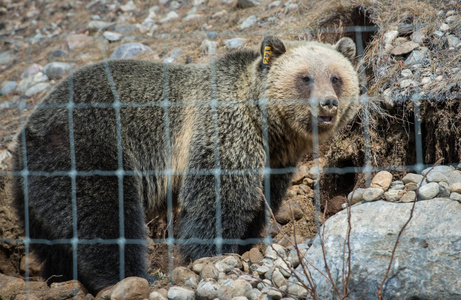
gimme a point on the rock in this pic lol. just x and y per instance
(228, 263)
(234, 43)
(444, 27)
(287, 212)
(248, 3)
(8, 88)
(278, 279)
(57, 70)
(72, 289)
(429, 191)
(452, 40)
(441, 169)
(436, 177)
(168, 60)
(176, 52)
(275, 251)
(236, 289)
(456, 187)
(427, 245)
(249, 22)
(426, 80)
(191, 17)
(130, 288)
(32, 70)
(416, 56)
(274, 4)
(291, 6)
(444, 190)
(6, 57)
(130, 6)
(126, 29)
(33, 264)
(262, 270)
(392, 195)
(112, 36)
(294, 256)
(411, 177)
(382, 180)
(76, 41)
(30, 81)
(182, 274)
(254, 294)
(180, 293)
(169, 17)
(455, 196)
(207, 289)
(406, 73)
(255, 255)
(356, 196)
(57, 54)
(390, 36)
(297, 290)
(129, 50)
(404, 48)
(409, 196)
(94, 26)
(211, 35)
(373, 194)
(37, 89)
(157, 296)
(198, 265)
(10, 286)
(209, 271)
(209, 47)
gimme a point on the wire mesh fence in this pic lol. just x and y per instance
(163, 108)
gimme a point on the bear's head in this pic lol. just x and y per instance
(311, 83)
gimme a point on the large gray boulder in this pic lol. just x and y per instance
(427, 263)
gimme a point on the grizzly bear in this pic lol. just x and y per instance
(113, 141)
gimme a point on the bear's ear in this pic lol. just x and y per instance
(346, 47)
(271, 48)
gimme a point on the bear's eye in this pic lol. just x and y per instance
(335, 80)
(306, 79)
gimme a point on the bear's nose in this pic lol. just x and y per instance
(329, 103)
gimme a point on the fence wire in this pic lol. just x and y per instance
(367, 169)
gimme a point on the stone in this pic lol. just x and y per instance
(168, 60)
(209, 271)
(297, 290)
(262, 270)
(373, 194)
(57, 54)
(274, 294)
(6, 57)
(33, 264)
(254, 294)
(248, 3)
(180, 293)
(234, 43)
(275, 251)
(182, 274)
(455, 196)
(192, 17)
(57, 70)
(289, 211)
(429, 191)
(382, 180)
(209, 47)
(426, 80)
(130, 288)
(129, 50)
(444, 190)
(8, 88)
(441, 169)
(407, 83)
(10, 286)
(248, 22)
(291, 6)
(33, 69)
(236, 289)
(436, 177)
(157, 296)
(255, 255)
(407, 197)
(112, 36)
(356, 196)
(283, 265)
(452, 40)
(278, 279)
(406, 73)
(404, 48)
(77, 41)
(390, 36)
(198, 265)
(295, 254)
(392, 195)
(130, 6)
(430, 243)
(126, 29)
(72, 289)
(207, 289)
(95, 26)
(169, 17)
(456, 187)
(37, 89)
(411, 177)
(274, 4)
(444, 27)
(227, 264)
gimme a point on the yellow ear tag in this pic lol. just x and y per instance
(267, 55)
